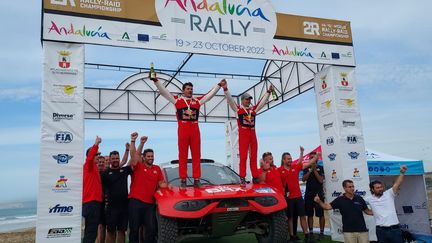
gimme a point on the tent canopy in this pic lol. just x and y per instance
(382, 164)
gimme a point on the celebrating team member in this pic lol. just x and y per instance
(92, 193)
(187, 114)
(269, 174)
(245, 114)
(314, 178)
(383, 207)
(351, 207)
(146, 179)
(290, 173)
(115, 182)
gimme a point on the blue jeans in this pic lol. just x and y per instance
(389, 235)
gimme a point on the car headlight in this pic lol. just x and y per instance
(190, 205)
(266, 201)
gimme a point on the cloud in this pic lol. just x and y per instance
(20, 94)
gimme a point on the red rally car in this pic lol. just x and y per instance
(221, 207)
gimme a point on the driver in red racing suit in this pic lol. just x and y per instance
(246, 114)
(188, 130)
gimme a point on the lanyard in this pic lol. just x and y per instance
(249, 114)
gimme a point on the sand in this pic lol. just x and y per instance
(19, 236)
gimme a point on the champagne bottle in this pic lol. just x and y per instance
(152, 71)
(274, 95)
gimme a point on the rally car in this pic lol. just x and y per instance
(221, 207)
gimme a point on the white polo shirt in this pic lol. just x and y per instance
(383, 208)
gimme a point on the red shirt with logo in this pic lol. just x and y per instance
(187, 108)
(145, 181)
(273, 178)
(92, 185)
(290, 178)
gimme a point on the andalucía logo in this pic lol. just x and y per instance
(59, 232)
(221, 21)
(64, 57)
(79, 32)
(285, 51)
(61, 185)
(62, 158)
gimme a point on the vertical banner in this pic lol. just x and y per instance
(232, 148)
(62, 144)
(342, 143)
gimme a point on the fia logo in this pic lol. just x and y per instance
(330, 141)
(63, 137)
(332, 156)
(351, 139)
(63, 2)
(353, 155)
(62, 158)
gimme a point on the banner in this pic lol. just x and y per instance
(240, 28)
(342, 143)
(62, 144)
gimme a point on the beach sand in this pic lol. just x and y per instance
(19, 236)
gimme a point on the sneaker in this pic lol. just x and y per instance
(183, 184)
(197, 183)
(320, 237)
(242, 181)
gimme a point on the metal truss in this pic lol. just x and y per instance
(136, 98)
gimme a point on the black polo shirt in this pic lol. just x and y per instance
(115, 186)
(313, 186)
(352, 213)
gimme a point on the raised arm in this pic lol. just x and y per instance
(143, 140)
(400, 178)
(164, 91)
(203, 99)
(263, 100)
(325, 206)
(92, 153)
(229, 98)
(133, 152)
(125, 155)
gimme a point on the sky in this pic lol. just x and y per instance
(394, 77)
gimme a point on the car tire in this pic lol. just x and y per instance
(167, 229)
(278, 229)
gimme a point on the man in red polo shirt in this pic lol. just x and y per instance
(92, 193)
(187, 112)
(146, 179)
(269, 174)
(290, 180)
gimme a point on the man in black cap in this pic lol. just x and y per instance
(245, 114)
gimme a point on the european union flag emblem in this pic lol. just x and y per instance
(143, 37)
(335, 55)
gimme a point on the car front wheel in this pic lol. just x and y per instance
(277, 231)
(167, 229)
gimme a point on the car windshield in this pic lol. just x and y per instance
(210, 174)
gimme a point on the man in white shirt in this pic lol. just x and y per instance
(384, 212)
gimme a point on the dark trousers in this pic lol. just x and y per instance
(141, 213)
(91, 211)
(389, 235)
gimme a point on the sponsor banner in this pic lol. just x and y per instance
(62, 144)
(257, 12)
(342, 140)
(207, 32)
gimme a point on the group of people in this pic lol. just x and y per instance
(105, 192)
(107, 200)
